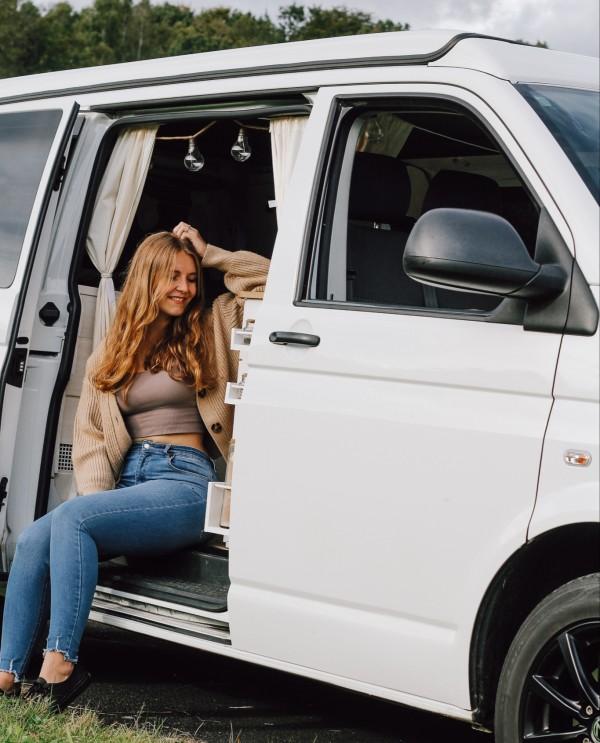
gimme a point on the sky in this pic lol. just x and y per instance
(566, 25)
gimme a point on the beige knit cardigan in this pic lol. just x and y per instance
(100, 438)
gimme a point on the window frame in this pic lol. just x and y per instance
(509, 310)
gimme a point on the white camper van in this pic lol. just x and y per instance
(412, 506)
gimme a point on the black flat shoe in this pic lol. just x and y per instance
(15, 691)
(60, 695)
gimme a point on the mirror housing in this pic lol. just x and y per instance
(479, 252)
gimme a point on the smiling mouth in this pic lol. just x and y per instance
(178, 300)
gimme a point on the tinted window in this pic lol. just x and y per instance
(25, 141)
(390, 166)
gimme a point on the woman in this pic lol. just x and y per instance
(151, 392)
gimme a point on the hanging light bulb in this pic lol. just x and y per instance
(194, 160)
(241, 149)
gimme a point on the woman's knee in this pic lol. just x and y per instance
(34, 541)
(72, 514)
(69, 513)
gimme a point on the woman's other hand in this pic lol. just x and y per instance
(185, 231)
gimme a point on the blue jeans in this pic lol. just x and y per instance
(157, 507)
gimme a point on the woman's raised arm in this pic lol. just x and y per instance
(244, 272)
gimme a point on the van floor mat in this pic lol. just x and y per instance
(209, 595)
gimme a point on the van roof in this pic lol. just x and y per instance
(500, 57)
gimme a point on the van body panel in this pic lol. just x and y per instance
(404, 464)
(523, 63)
(578, 373)
(568, 494)
(571, 494)
(328, 678)
(17, 317)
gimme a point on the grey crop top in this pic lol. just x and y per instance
(157, 404)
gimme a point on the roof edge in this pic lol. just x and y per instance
(275, 69)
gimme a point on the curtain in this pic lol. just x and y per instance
(114, 210)
(286, 135)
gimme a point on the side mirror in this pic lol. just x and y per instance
(477, 252)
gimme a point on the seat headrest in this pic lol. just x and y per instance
(380, 189)
(457, 190)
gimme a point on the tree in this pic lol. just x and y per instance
(10, 62)
(19, 38)
(58, 45)
(299, 23)
(103, 32)
(223, 28)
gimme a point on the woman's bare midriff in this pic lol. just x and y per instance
(178, 439)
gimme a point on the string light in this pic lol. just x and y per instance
(194, 160)
(241, 150)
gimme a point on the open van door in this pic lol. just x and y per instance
(389, 450)
(33, 140)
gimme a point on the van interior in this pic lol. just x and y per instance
(408, 159)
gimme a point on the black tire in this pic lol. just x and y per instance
(550, 680)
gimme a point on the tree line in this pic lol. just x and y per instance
(57, 38)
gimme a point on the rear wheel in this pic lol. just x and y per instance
(549, 687)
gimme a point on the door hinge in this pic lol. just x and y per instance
(3, 491)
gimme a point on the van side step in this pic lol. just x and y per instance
(191, 578)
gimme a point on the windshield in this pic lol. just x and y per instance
(573, 117)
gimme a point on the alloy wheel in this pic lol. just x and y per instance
(561, 697)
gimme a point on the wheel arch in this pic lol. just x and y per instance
(535, 570)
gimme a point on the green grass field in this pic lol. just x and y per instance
(28, 722)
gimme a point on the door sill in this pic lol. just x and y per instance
(110, 603)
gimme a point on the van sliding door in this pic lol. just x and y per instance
(33, 139)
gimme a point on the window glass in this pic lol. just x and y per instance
(573, 117)
(25, 141)
(390, 166)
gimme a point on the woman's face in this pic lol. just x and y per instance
(180, 288)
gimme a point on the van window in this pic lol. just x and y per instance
(25, 141)
(228, 201)
(389, 166)
(572, 117)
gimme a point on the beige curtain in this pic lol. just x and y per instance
(114, 210)
(286, 135)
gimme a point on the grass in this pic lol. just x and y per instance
(32, 722)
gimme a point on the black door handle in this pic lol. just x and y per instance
(285, 337)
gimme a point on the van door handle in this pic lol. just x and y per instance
(285, 337)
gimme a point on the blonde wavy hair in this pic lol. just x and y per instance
(186, 350)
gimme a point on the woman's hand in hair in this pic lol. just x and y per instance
(185, 231)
